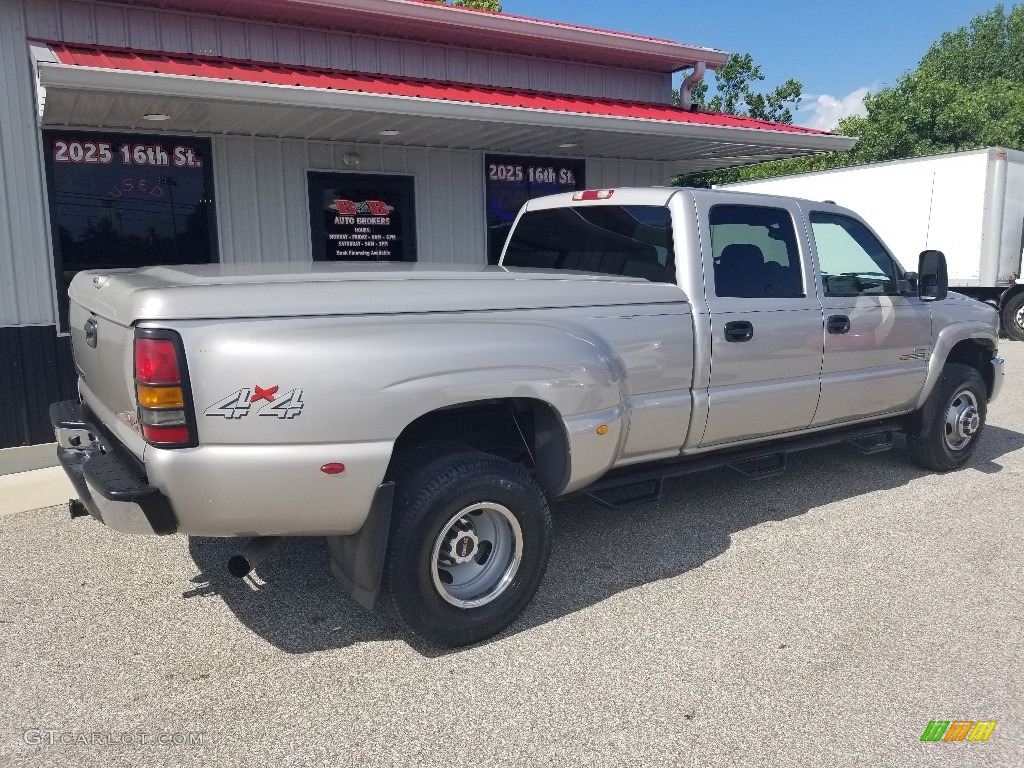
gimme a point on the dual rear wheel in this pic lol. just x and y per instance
(469, 545)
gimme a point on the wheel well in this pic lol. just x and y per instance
(1008, 294)
(977, 355)
(522, 430)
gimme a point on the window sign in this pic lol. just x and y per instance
(126, 200)
(362, 217)
(511, 181)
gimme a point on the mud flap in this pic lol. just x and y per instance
(357, 561)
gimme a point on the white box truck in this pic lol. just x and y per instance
(969, 205)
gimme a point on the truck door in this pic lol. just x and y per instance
(877, 341)
(766, 345)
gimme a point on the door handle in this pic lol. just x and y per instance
(739, 330)
(838, 324)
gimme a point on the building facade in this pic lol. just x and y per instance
(179, 131)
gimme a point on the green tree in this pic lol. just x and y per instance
(484, 5)
(736, 93)
(967, 92)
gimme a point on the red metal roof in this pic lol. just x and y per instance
(426, 21)
(553, 24)
(185, 65)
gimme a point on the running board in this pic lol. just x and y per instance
(757, 463)
(869, 444)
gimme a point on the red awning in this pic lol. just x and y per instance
(215, 68)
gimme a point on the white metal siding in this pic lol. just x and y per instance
(263, 199)
(118, 25)
(606, 174)
(26, 264)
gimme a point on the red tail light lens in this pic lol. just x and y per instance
(165, 435)
(156, 361)
(162, 392)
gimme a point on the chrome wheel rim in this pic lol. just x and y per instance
(963, 420)
(476, 555)
(1018, 318)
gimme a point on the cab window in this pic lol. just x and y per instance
(630, 240)
(852, 260)
(755, 253)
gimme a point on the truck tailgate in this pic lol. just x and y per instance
(104, 358)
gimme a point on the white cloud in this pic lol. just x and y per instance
(827, 110)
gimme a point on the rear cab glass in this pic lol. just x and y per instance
(627, 240)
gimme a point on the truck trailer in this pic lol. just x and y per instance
(969, 205)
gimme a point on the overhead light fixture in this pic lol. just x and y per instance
(568, 145)
(156, 116)
(351, 159)
(389, 132)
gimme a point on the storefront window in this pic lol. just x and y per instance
(362, 217)
(511, 181)
(124, 200)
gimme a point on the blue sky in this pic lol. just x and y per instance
(836, 49)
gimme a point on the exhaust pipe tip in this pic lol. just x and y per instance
(239, 566)
(251, 555)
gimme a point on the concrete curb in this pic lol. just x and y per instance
(24, 491)
(27, 458)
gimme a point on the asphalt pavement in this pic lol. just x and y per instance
(820, 618)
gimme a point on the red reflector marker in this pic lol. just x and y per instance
(332, 469)
(159, 435)
(156, 361)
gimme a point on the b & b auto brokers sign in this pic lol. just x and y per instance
(362, 231)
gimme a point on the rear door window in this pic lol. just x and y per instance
(629, 240)
(755, 253)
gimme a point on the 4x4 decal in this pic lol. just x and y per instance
(242, 402)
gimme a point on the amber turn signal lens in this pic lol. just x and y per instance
(603, 429)
(161, 397)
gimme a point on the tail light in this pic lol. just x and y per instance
(162, 391)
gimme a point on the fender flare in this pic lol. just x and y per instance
(948, 338)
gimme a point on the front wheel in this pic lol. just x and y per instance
(469, 546)
(1013, 317)
(951, 420)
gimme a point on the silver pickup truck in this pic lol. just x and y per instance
(420, 416)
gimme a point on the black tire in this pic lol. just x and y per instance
(951, 421)
(1013, 317)
(505, 536)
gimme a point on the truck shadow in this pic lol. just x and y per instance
(294, 603)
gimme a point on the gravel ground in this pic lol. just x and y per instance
(823, 617)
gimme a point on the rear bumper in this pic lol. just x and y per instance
(110, 482)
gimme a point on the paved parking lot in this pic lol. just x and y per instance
(823, 617)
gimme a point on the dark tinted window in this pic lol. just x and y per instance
(123, 200)
(512, 181)
(852, 261)
(630, 240)
(755, 253)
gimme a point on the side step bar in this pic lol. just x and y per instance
(757, 463)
